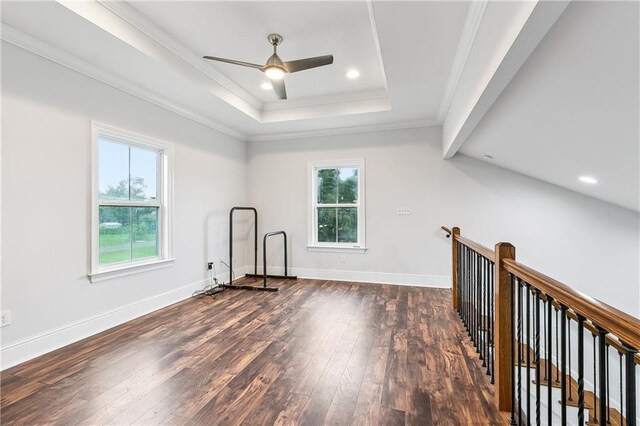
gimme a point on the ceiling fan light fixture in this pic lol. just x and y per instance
(266, 85)
(274, 73)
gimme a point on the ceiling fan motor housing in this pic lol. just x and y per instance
(274, 39)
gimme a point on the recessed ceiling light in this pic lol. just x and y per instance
(353, 74)
(588, 179)
(488, 157)
(266, 85)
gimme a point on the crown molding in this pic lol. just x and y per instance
(326, 100)
(427, 122)
(164, 39)
(328, 106)
(231, 92)
(136, 30)
(376, 42)
(24, 41)
(467, 39)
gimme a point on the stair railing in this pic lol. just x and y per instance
(521, 323)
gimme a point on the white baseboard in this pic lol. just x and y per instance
(414, 280)
(50, 340)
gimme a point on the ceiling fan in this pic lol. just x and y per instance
(275, 69)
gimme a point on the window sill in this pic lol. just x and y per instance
(337, 249)
(127, 270)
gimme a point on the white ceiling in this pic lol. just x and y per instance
(238, 31)
(403, 50)
(573, 108)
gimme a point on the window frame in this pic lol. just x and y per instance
(163, 201)
(312, 232)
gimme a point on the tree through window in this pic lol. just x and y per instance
(130, 200)
(336, 204)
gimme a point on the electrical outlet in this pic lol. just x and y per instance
(5, 318)
(343, 258)
(403, 210)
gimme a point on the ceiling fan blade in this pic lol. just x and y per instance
(307, 63)
(231, 61)
(278, 87)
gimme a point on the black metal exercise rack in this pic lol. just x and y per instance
(255, 274)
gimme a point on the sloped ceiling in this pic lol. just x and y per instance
(573, 108)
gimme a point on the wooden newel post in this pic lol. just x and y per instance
(455, 232)
(503, 327)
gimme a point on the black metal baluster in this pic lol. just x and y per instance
(466, 289)
(461, 282)
(548, 351)
(478, 305)
(469, 291)
(537, 353)
(595, 380)
(580, 370)
(602, 379)
(491, 320)
(528, 349)
(570, 398)
(485, 265)
(474, 313)
(487, 318)
(630, 380)
(457, 243)
(544, 333)
(481, 309)
(484, 313)
(466, 285)
(557, 348)
(513, 358)
(608, 395)
(563, 365)
(519, 351)
(621, 400)
(475, 300)
(471, 296)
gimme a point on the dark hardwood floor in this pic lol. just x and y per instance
(316, 352)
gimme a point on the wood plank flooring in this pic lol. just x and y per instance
(315, 352)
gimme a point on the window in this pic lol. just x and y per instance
(130, 203)
(336, 216)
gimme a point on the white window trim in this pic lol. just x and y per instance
(99, 272)
(312, 243)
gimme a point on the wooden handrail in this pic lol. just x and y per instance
(482, 250)
(622, 325)
(612, 341)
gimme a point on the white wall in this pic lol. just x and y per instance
(588, 244)
(47, 110)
